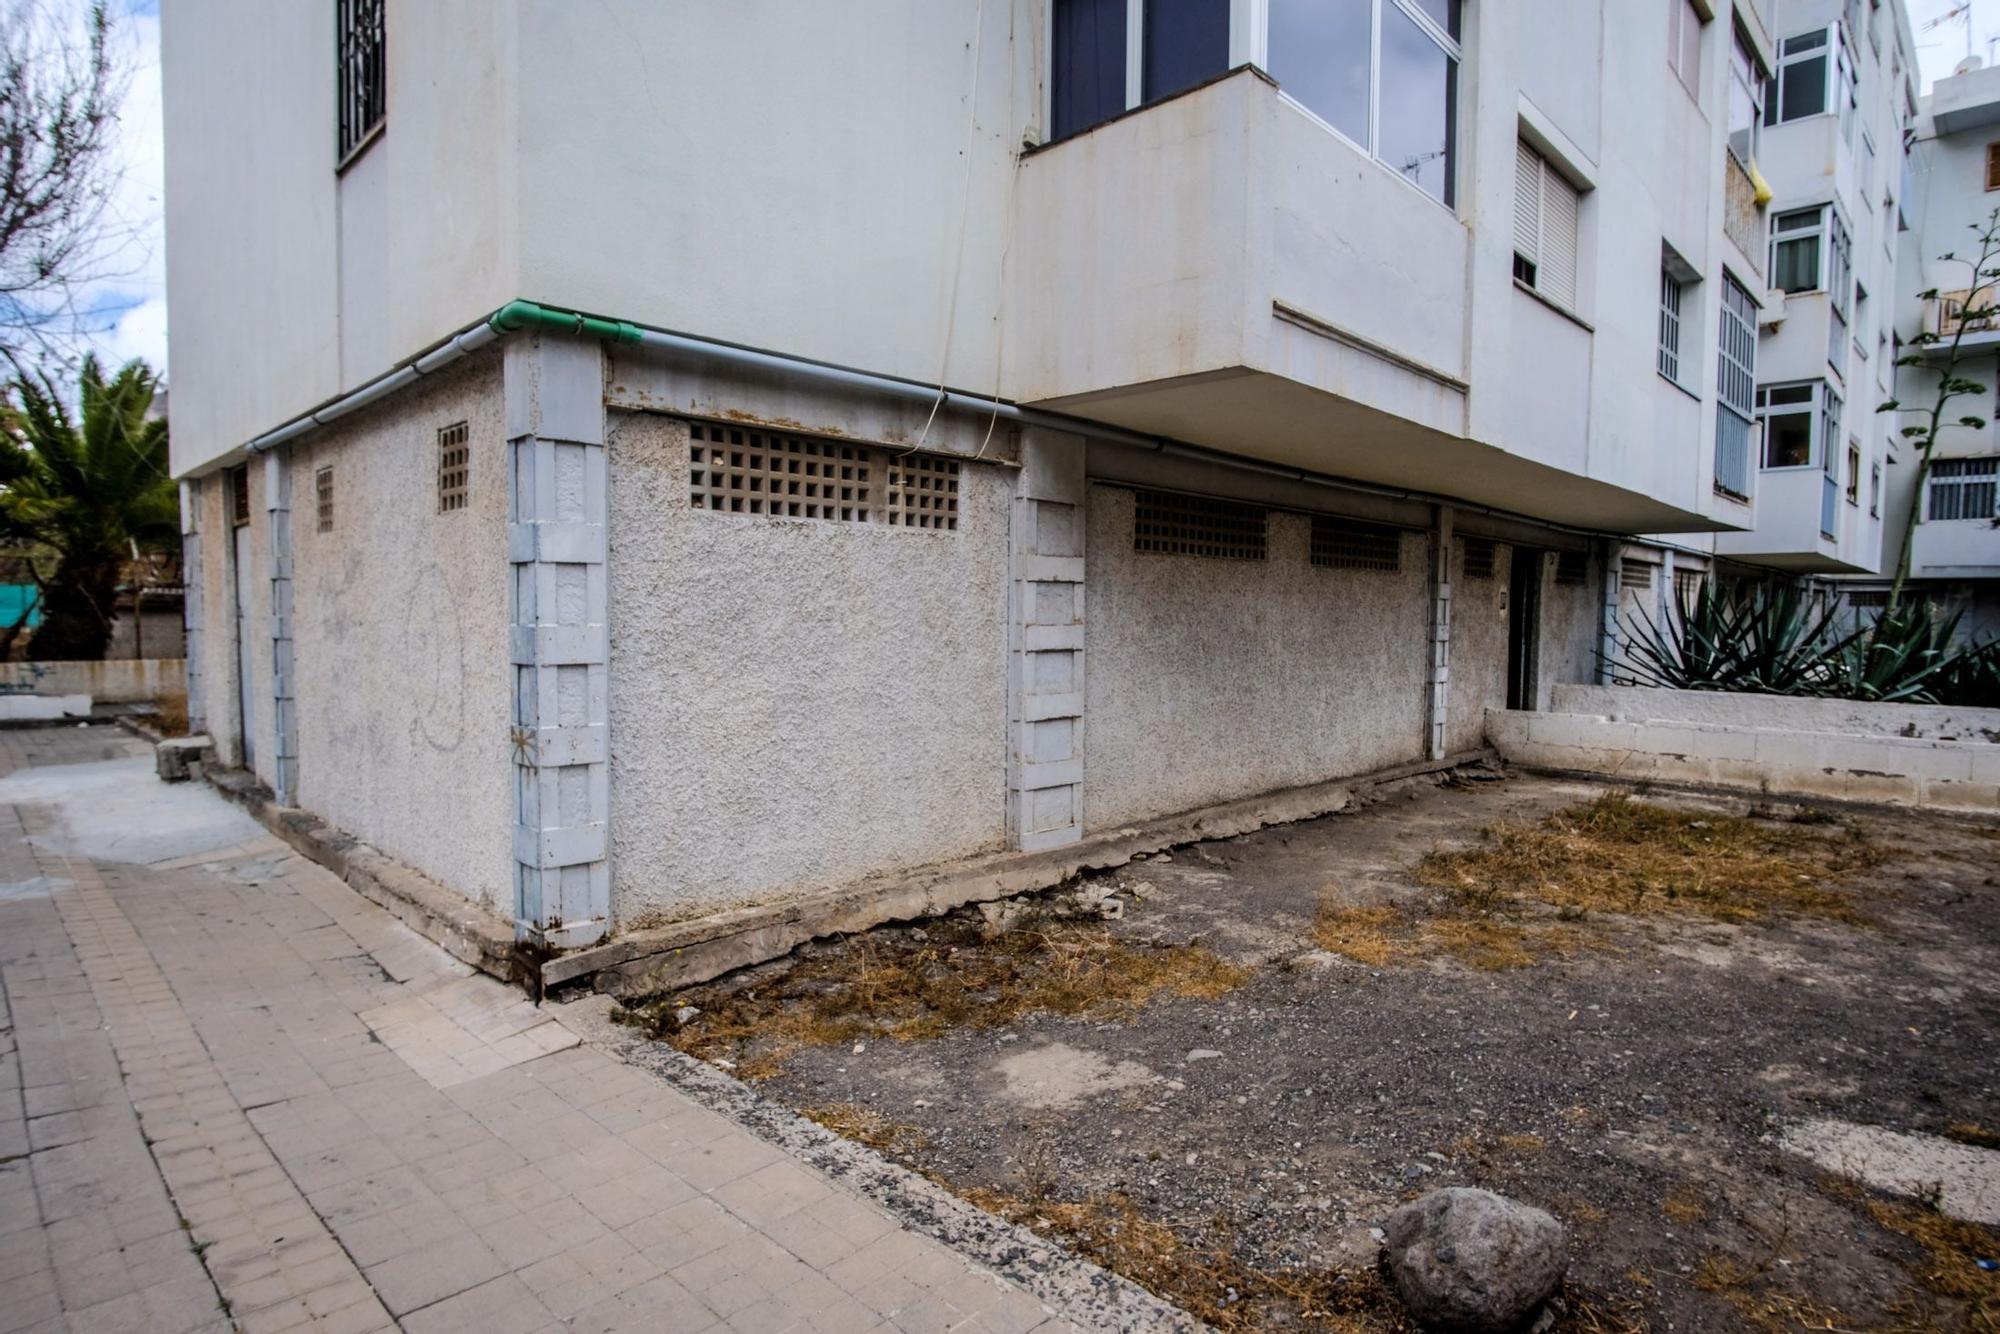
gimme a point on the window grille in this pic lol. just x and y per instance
(1670, 326)
(1478, 558)
(1635, 574)
(1962, 489)
(1572, 568)
(323, 498)
(1178, 525)
(363, 73)
(1687, 586)
(1868, 597)
(454, 467)
(1736, 353)
(739, 470)
(239, 494)
(1343, 544)
(923, 491)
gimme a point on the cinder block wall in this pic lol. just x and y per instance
(400, 634)
(1213, 679)
(795, 702)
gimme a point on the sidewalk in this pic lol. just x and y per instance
(235, 1095)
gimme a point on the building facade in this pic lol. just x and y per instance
(842, 443)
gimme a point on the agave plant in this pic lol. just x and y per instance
(1760, 640)
(1899, 657)
(1971, 677)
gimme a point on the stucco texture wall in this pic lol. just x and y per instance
(218, 611)
(1478, 648)
(1569, 630)
(400, 633)
(795, 703)
(1208, 680)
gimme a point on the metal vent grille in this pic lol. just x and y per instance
(1178, 525)
(923, 492)
(1478, 558)
(1868, 597)
(1573, 568)
(1343, 544)
(239, 495)
(454, 467)
(743, 471)
(323, 499)
(1637, 574)
(1687, 585)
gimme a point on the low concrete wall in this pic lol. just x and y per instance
(119, 681)
(1902, 771)
(1731, 709)
(42, 708)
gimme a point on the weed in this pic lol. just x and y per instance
(866, 1126)
(1951, 1290)
(1967, 1132)
(1684, 1205)
(907, 988)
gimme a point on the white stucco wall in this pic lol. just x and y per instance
(795, 703)
(217, 667)
(400, 635)
(1570, 630)
(1479, 617)
(1208, 680)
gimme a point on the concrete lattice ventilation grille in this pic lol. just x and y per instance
(740, 471)
(323, 498)
(1872, 597)
(1178, 525)
(1635, 574)
(1573, 568)
(1344, 544)
(454, 466)
(923, 492)
(1687, 584)
(1478, 558)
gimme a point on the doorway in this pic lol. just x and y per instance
(1524, 628)
(242, 568)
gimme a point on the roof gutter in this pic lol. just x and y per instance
(531, 315)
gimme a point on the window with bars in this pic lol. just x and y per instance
(1345, 544)
(1572, 568)
(923, 492)
(1546, 209)
(1962, 489)
(1177, 525)
(364, 75)
(1670, 326)
(323, 499)
(454, 467)
(738, 470)
(1736, 389)
(1478, 557)
(239, 494)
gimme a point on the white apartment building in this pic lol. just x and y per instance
(650, 457)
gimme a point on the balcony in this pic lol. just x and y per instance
(1222, 268)
(1946, 317)
(1804, 525)
(1955, 549)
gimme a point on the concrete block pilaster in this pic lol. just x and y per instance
(1438, 677)
(191, 605)
(559, 639)
(284, 711)
(1045, 659)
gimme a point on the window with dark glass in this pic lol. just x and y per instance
(1746, 98)
(1182, 43)
(1799, 86)
(1736, 378)
(1087, 74)
(1796, 242)
(363, 75)
(1788, 414)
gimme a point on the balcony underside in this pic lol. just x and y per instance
(1797, 562)
(1277, 420)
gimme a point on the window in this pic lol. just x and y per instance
(1345, 544)
(1993, 166)
(1839, 284)
(1181, 43)
(323, 499)
(1796, 246)
(1736, 380)
(1684, 44)
(1853, 474)
(1787, 414)
(1962, 489)
(454, 467)
(1478, 557)
(1799, 87)
(1545, 227)
(1401, 102)
(1875, 491)
(1746, 98)
(1178, 525)
(239, 494)
(1670, 326)
(363, 75)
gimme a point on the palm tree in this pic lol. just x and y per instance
(89, 492)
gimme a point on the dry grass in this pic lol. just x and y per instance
(1950, 1291)
(1967, 1132)
(1379, 936)
(902, 988)
(1684, 1205)
(170, 715)
(1618, 855)
(864, 1125)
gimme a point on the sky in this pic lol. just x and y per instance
(131, 310)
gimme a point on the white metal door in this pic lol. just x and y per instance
(246, 646)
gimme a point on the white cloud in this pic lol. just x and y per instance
(134, 302)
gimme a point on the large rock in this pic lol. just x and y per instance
(1469, 1260)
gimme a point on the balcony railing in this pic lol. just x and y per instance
(1948, 312)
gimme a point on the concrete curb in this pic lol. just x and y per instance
(466, 932)
(1073, 1288)
(698, 949)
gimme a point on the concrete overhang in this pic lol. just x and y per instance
(1966, 101)
(1279, 420)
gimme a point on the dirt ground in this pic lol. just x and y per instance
(1204, 1095)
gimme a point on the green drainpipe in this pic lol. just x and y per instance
(531, 315)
